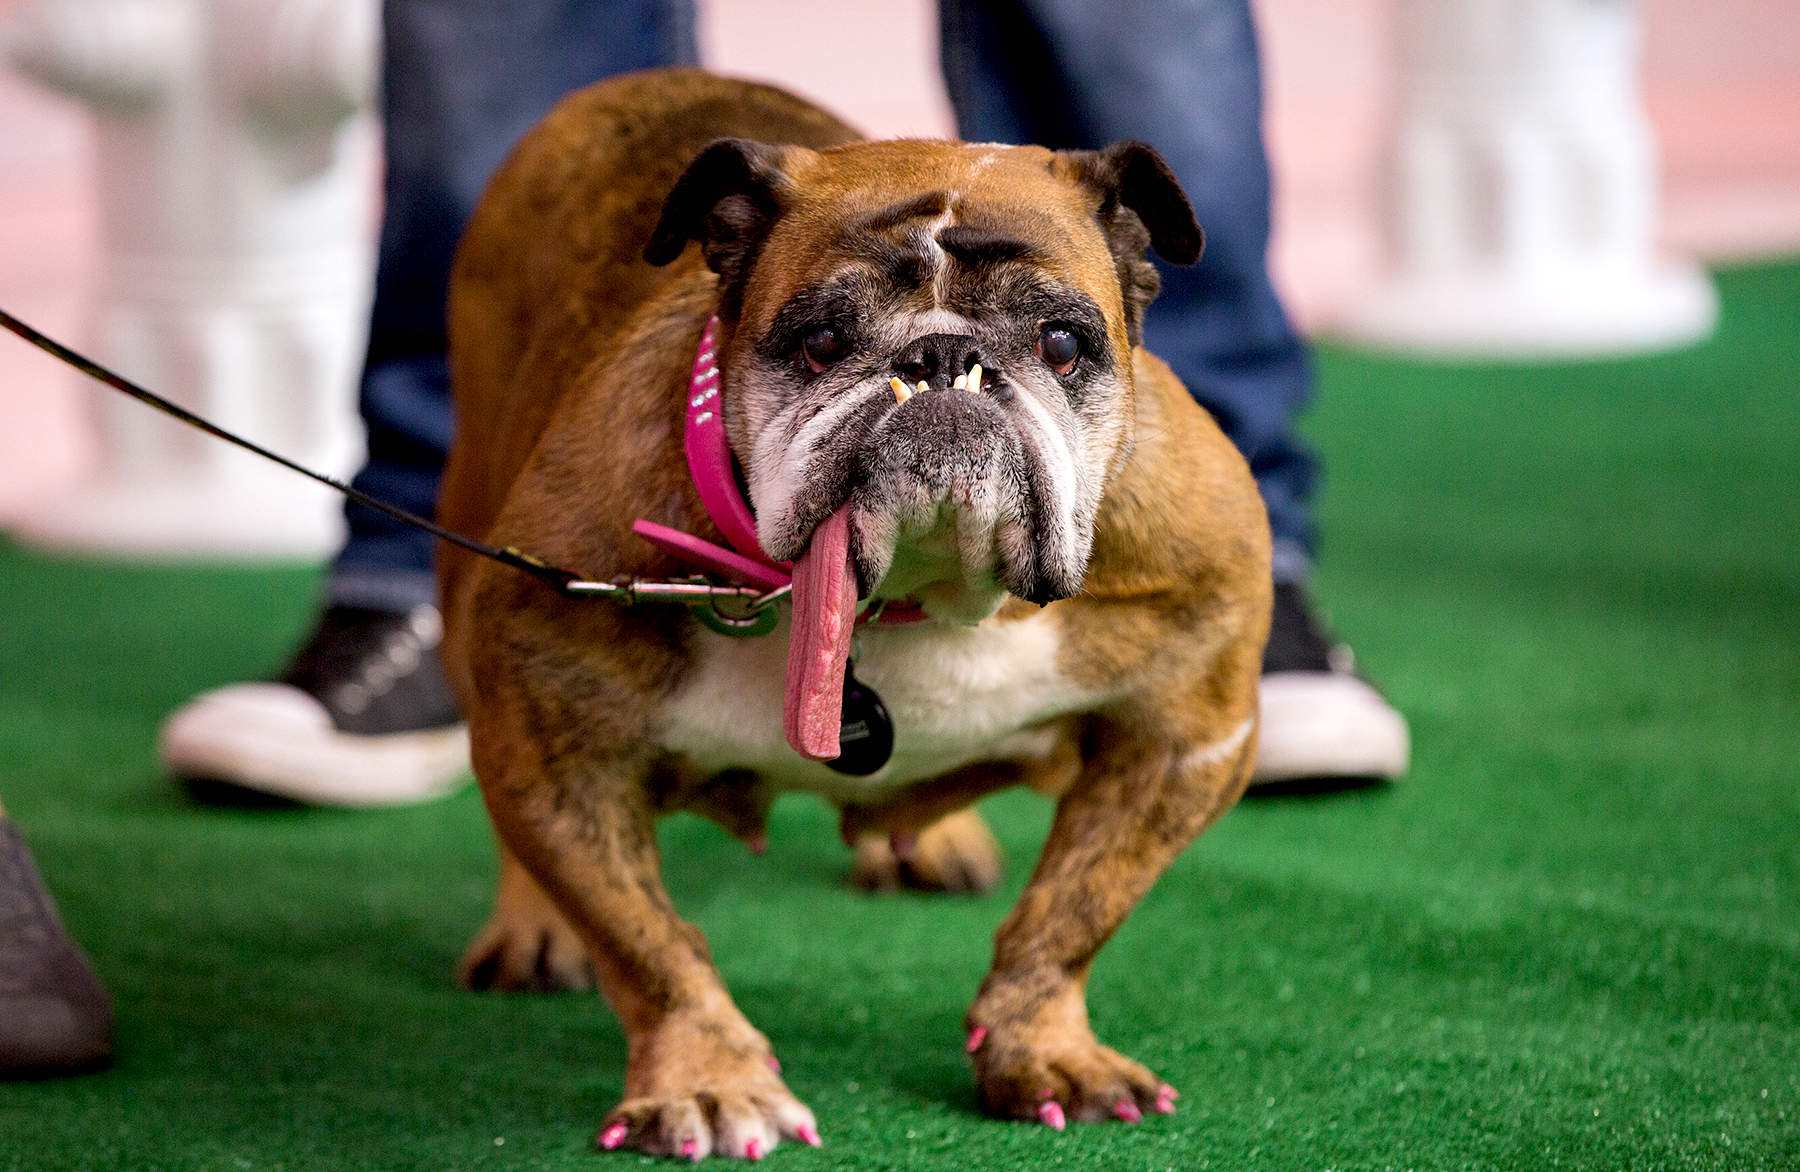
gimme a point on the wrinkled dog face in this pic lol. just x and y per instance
(958, 495)
(1001, 287)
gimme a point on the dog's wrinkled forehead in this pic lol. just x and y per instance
(941, 230)
(772, 219)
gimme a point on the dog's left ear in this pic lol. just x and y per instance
(727, 199)
(1141, 205)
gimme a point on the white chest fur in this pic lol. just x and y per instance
(956, 695)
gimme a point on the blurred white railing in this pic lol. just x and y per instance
(237, 157)
(1521, 189)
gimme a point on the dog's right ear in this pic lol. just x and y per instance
(727, 199)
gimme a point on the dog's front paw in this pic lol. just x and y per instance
(1048, 1066)
(526, 945)
(695, 1090)
(956, 853)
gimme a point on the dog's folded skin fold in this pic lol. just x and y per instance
(1089, 549)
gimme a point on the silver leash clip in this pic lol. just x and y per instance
(750, 612)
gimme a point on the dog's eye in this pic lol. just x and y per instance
(1060, 348)
(822, 348)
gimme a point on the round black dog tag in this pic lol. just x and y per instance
(865, 730)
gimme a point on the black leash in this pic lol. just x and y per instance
(692, 592)
(555, 576)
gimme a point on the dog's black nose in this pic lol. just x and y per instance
(937, 359)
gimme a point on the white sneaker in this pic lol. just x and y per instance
(1318, 719)
(362, 717)
(1328, 724)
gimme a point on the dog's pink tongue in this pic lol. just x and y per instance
(819, 643)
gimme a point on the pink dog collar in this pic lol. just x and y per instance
(709, 455)
(709, 463)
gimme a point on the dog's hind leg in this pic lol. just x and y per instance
(526, 945)
(929, 837)
(956, 853)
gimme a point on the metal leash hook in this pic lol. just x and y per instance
(759, 616)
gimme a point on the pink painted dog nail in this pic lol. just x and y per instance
(810, 1135)
(977, 1036)
(613, 1136)
(1165, 1101)
(690, 1147)
(753, 1149)
(774, 1064)
(1128, 1111)
(1052, 1115)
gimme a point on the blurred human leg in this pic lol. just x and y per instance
(362, 716)
(463, 80)
(1184, 76)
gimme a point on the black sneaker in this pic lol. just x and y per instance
(1319, 719)
(362, 717)
(55, 1016)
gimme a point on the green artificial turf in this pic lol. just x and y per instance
(1568, 940)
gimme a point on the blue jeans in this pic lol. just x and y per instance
(464, 78)
(462, 81)
(1183, 76)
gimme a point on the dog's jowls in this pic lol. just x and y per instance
(1090, 551)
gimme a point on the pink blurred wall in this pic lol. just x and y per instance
(48, 242)
(1722, 81)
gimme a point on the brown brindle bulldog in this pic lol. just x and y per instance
(1089, 552)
